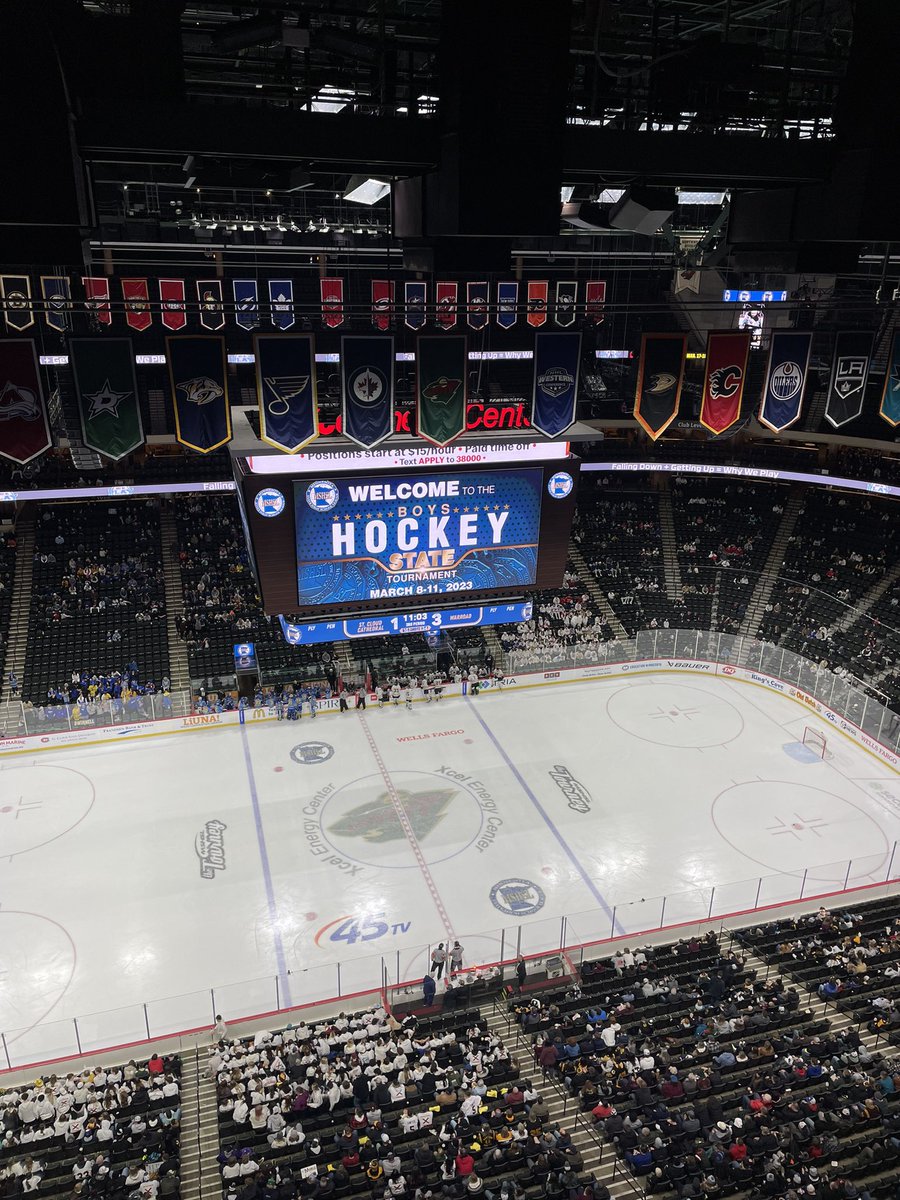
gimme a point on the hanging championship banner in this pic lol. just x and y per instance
(442, 367)
(785, 380)
(246, 303)
(566, 300)
(723, 384)
(57, 299)
(849, 373)
(367, 388)
(281, 299)
(15, 292)
(660, 377)
(172, 303)
(198, 376)
(96, 292)
(212, 308)
(556, 361)
(507, 303)
(537, 302)
(445, 296)
(332, 293)
(382, 303)
(136, 295)
(890, 393)
(105, 384)
(415, 295)
(477, 304)
(24, 429)
(594, 300)
(286, 389)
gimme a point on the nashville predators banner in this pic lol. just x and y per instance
(786, 374)
(445, 295)
(507, 304)
(415, 295)
(15, 293)
(103, 369)
(57, 301)
(212, 309)
(24, 430)
(723, 385)
(442, 367)
(382, 303)
(890, 393)
(556, 361)
(660, 377)
(367, 388)
(331, 292)
(246, 303)
(286, 388)
(96, 293)
(477, 304)
(198, 375)
(537, 302)
(281, 301)
(849, 373)
(136, 294)
(566, 300)
(172, 303)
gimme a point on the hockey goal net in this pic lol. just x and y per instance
(815, 742)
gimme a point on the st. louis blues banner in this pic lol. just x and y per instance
(286, 388)
(566, 300)
(537, 302)
(556, 360)
(136, 294)
(212, 309)
(890, 393)
(15, 293)
(723, 386)
(507, 304)
(785, 381)
(172, 303)
(594, 300)
(246, 303)
(849, 373)
(367, 388)
(57, 301)
(382, 303)
(96, 298)
(331, 291)
(477, 303)
(103, 369)
(441, 371)
(24, 431)
(445, 296)
(414, 298)
(198, 375)
(281, 300)
(660, 377)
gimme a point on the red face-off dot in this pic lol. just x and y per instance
(278, 768)
(468, 741)
(311, 916)
(546, 870)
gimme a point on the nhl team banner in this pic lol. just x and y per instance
(477, 303)
(24, 431)
(414, 298)
(18, 311)
(281, 301)
(105, 384)
(566, 300)
(382, 303)
(442, 366)
(96, 301)
(212, 308)
(367, 388)
(331, 293)
(246, 303)
(849, 373)
(889, 408)
(445, 296)
(594, 300)
(660, 378)
(136, 294)
(199, 382)
(537, 302)
(172, 303)
(556, 360)
(57, 299)
(723, 384)
(786, 374)
(286, 388)
(507, 304)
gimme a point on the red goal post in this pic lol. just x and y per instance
(815, 741)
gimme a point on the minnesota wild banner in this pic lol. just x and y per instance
(105, 384)
(556, 361)
(15, 293)
(849, 374)
(286, 388)
(786, 374)
(442, 368)
(57, 297)
(24, 431)
(199, 382)
(660, 377)
(367, 388)
(723, 386)
(890, 393)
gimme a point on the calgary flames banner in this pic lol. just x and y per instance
(441, 371)
(723, 385)
(24, 431)
(660, 376)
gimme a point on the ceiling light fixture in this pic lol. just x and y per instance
(367, 189)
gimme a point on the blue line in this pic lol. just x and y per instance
(280, 960)
(564, 845)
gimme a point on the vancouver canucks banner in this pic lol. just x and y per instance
(382, 303)
(723, 385)
(172, 303)
(136, 294)
(57, 296)
(414, 297)
(556, 360)
(786, 374)
(890, 393)
(477, 304)
(445, 294)
(660, 377)
(849, 373)
(537, 302)
(281, 300)
(441, 371)
(198, 375)
(246, 303)
(507, 303)
(331, 292)
(103, 369)
(96, 298)
(367, 388)
(24, 431)
(212, 308)
(15, 292)
(594, 300)
(286, 388)
(566, 300)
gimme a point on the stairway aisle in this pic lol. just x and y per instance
(179, 668)
(872, 596)
(200, 1175)
(671, 568)
(775, 561)
(594, 590)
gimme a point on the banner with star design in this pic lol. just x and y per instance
(442, 367)
(889, 408)
(106, 388)
(198, 375)
(24, 431)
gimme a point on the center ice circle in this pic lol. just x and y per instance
(674, 714)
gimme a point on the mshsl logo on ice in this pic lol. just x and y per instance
(269, 502)
(322, 495)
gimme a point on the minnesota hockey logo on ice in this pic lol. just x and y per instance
(378, 820)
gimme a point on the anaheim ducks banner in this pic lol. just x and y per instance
(889, 408)
(367, 388)
(331, 292)
(556, 361)
(723, 384)
(199, 382)
(286, 389)
(659, 381)
(18, 310)
(442, 367)
(849, 373)
(105, 384)
(24, 430)
(786, 373)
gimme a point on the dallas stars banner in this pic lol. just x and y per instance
(786, 374)
(441, 371)
(24, 431)
(507, 303)
(281, 299)
(556, 361)
(57, 294)
(136, 294)
(172, 303)
(659, 381)
(286, 388)
(105, 384)
(415, 295)
(246, 303)
(477, 304)
(890, 393)
(537, 302)
(212, 309)
(849, 373)
(723, 386)
(198, 375)
(15, 292)
(367, 388)
(96, 292)
(566, 299)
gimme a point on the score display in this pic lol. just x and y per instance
(309, 633)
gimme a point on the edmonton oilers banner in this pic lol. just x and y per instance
(105, 384)
(477, 303)
(507, 301)
(286, 387)
(415, 295)
(199, 383)
(367, 388)
(441, 370)
(889, 408)
(246, 303)
(660, 377)
(281, 301)
(556, 360)
(849, 373)
(786, 374)
(24, 431)
(723, 385)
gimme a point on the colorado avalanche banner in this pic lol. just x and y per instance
(57, 298)
(889, 408)
(286, 388)
(477, 304)
(723, 385)
(212, 308)
(556, 360)
(281, 300)
(382, 303)
(96, 298)
(24, 431)
(537, 302)
(442, 367)
(172, 303)
(566, 301)
(367, 388)
(507, 304)
(105, 384)
(786, 374)
(849, 373)
(246, 303)
(199, 381)
(15, 293)
(594, 300)
(659, 381)
(331, 292)
(136, 294)
(445, 296)
(414, 298)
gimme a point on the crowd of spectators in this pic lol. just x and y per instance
(562, 618)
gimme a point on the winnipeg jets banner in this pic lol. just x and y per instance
(507, 304)
(136, 294)
(15, 293)
(331, 293)
(659, 381)
(96, 298)
(849, 373)
(556, 360)
(889, 408)
(212, 308)
(57, 297)
(445, 294)
(414, 297)
(367, 388)
(370, 538)
(246, 303)
(595, 300)
(172, 303)
(382, 303)
(723, 385)
(786, 374)
(24, 431)
(198, 375)
(477, 303)
(286, 388)
(441, 370)
(566, 301)
(105, 384)
(537, 302)
(281, 302)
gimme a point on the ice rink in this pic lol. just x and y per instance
(307, 857)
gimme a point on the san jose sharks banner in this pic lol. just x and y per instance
(57, 296)
(594, 300)
(198, 375)
(172, 303)
(382, 303)
(849, 374)
(786, 373)
(212, 308)
(477, 303)
(442, 367)
(331, 292)
(105, 384)
(281, 301)
(414, 299)
(24, 430)
(660, 377)
(136, 294)
(367, 388)
(889, 408)
(566, 301)
(96, 298)
(507, 304)
(556, 360)
(18, 310)
(537, 302)
(723, 385)
(286, 389)
(246, 303)
(445, 296)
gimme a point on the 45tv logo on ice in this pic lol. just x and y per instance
(366, 927)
